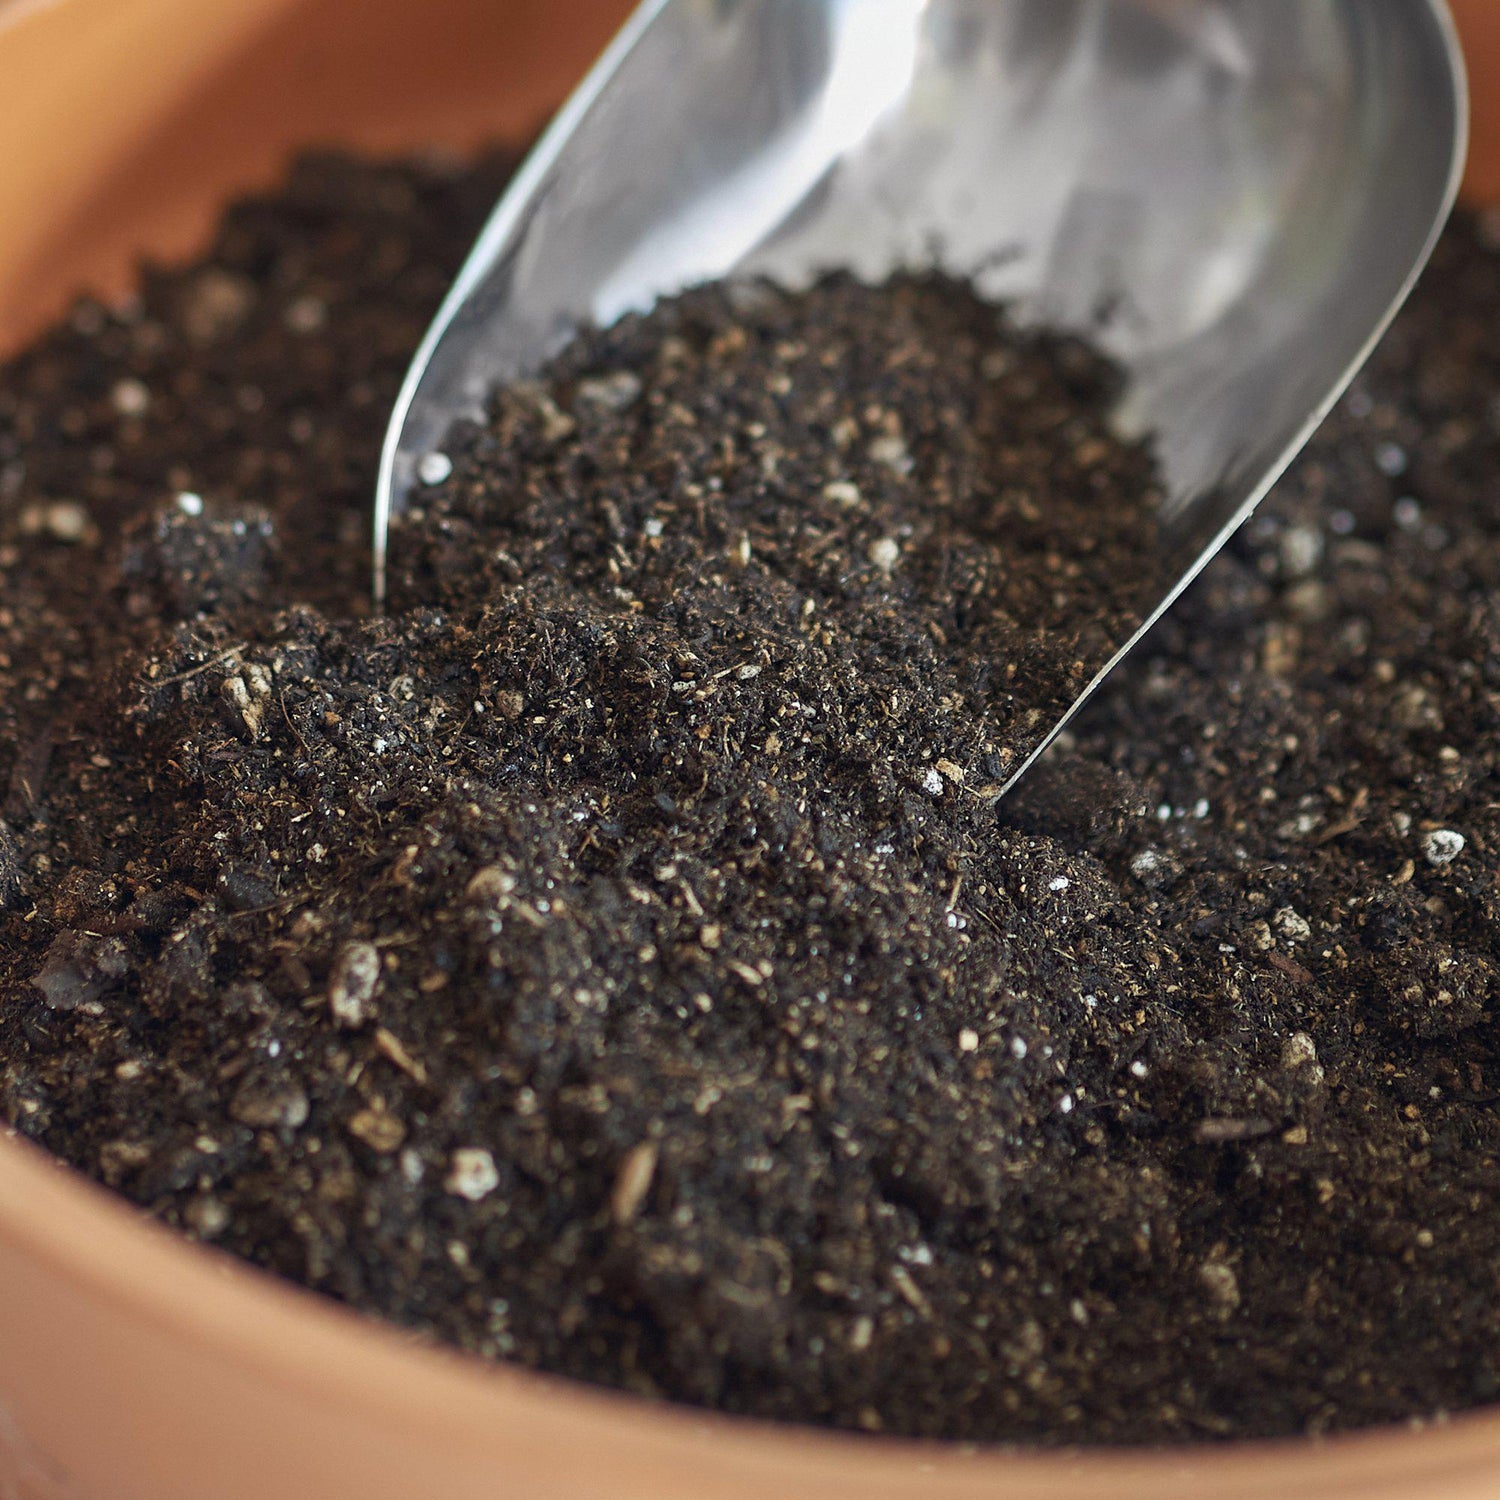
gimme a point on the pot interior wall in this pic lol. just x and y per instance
(1479, 23)
(139, 143)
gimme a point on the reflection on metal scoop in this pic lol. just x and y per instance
(1232, 197)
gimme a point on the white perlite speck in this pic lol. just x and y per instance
(190, 503)
(307, 314)
(885, 553)
(1059, 883)
(351, 985)
(1391, 459)
(130, 398)
(1299, 1051)
(1221, 1284)
(842, 492)
(1442, 846)
(1292, 925)
(556, 423)
(891, 450)
(248, 693)
(1301, 551)
(614, 392)
(62, 520)
(968, 1040)
(932, 783)
(1407, 513)
(471, 1174)
(434, 468)
(1145, 863)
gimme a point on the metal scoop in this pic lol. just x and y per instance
(1233, 197)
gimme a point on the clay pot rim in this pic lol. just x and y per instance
(299, 1339)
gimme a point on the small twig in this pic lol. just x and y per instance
(218, 661)
(281, 699)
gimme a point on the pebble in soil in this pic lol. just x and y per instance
(596, 966)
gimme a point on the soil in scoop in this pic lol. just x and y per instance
(617, 960)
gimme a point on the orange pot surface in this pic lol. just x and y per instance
(1479, 21)
(137, 1366)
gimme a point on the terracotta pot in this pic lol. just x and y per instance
(134, 1366)
(1479, 21)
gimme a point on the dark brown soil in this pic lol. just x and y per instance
(912, 516)
(617, 960)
